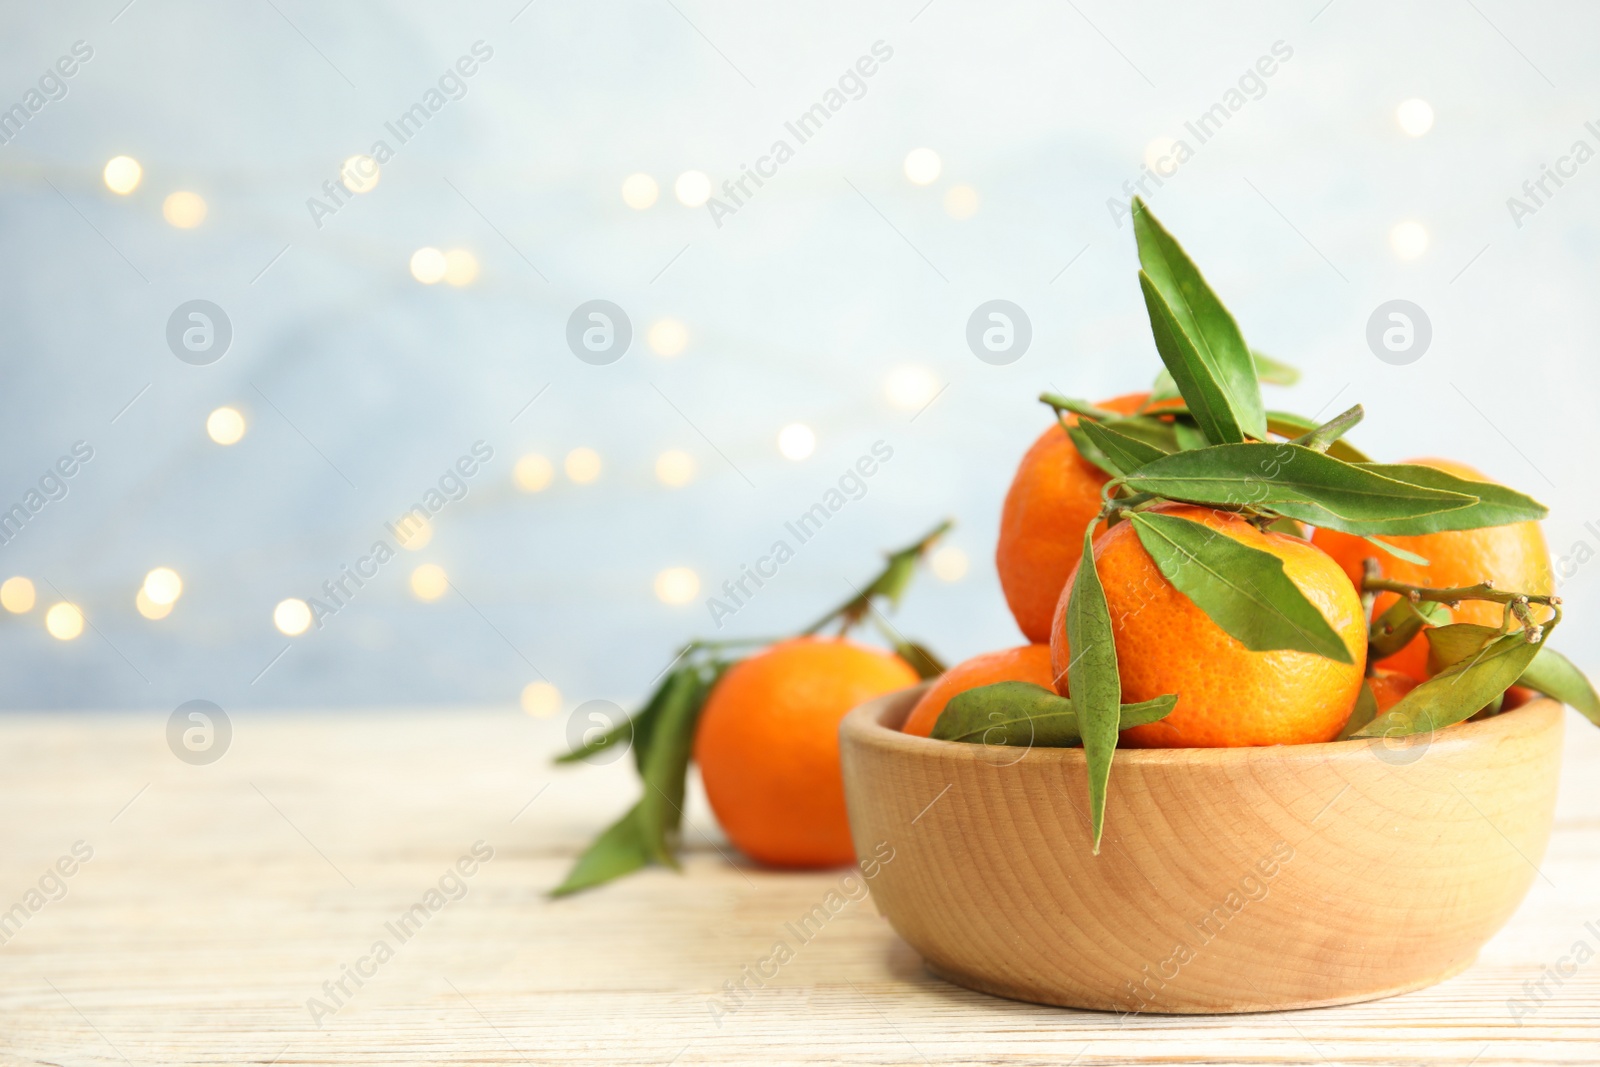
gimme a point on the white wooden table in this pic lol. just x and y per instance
(219, 899)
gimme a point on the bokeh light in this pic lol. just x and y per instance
(63, 621)
(692, 188)
(639, 191)
(17, 595)
(668, 337)
(460, 267)
(675, 468)
(360, 174)
(541, 699)
(292, 617)
(428, 265)
(413, 532)
(796, 441)
(949, 563)
(122, 174)
(1414, 116)
(677, 585)
(429, 582)
(184, 209)
(1408, 239)
(532, 472)
(225, 426)
(923, 166)
(961, 202)
(582, 465)
(149, 608)
(163, 586)
(910, 387)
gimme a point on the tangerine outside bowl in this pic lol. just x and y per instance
(1229, 880)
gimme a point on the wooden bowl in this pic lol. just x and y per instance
(1229, 880)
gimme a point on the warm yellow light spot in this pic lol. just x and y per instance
(693, 188)
(910, 388)
(923, 166)
(1157, 151)
(428, 266)
(413, 531)
(292, 617)
(1414, 116)
(64, 621)
(533, 472)
(429, 583)
(163, 586)
(225, 426)
(949, 564)
(668, 337)
(149, 608)
(582, 465)
(639, 191)
(184, 209)
(460, 267)
(541, 699)
(360, 174)
(1409, 240)
(677, 585)
(796, 441)
(123, 174)
(675, 468)
(961, 202)
(16, 595)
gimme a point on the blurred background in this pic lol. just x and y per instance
(393, 214)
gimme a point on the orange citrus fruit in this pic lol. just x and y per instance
(1026, 663)
(1389, 686)
(1513, 557)
(1053, 496)
(1227, 694)
(768, 746)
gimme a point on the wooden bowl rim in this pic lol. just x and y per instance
(867, 725)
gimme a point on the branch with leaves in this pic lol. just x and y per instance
(1206, 438)
(662, 731)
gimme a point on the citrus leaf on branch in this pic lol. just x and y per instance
(1400, 623)
(1202, 347)
(890, 583)
(1296, 482)
(1272, 371)
(1092, 678)
(1459, 692)
(1242, 589)
(666, 765)
(1286, 424)
(1555, 675)
(1123, 452)
(620, 849)
(1496, 506)
(1449, 645)
(1089, 450)
(1320, 438)
(1022, 715)
(1396, 551)
(1365, 711)
(925, 663)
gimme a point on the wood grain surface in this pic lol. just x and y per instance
(219, 899)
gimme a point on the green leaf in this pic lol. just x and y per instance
(1215, 367)
(1077, 407)
(1457, 693)
(1397, 552)
(924, 662)
(1365, 711)
(1400, 623)
(1289, 425)
(1271, 371)
(1150, 429)
(1295, 481)
(1163, 388)
(1496, 506)
(1555, 675)
(1205, 397)
(1021, 714)
(635, 729)
(1449, 645)
(667, 764)
(1188, 435)
(1093, 680)
(1124, 452)
(1089, 450)
(619, 850)
(1244, 590)
(1320, 438)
